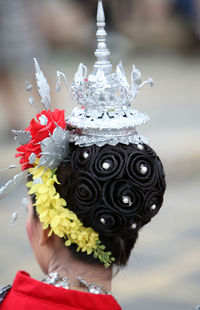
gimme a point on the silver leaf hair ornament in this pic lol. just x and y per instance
(54, 148)
(104, 113)
(21, 137)
(43, 86)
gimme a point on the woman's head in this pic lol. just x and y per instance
(116, 190)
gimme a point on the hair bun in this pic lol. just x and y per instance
(115, 189)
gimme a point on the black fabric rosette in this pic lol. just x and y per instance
(108, 191)
(114, 193)
(136, 219)
(114, 158)
(85, 192)
(153, 202)
(135, 162)
(112, 221)
(78, 161)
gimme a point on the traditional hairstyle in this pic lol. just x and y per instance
(116, 190)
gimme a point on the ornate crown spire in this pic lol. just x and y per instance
(105, 115)
(102, 53)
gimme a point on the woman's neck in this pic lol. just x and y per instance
(67, 266)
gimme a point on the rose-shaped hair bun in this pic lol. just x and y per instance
(115, 189)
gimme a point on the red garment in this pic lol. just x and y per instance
(30, 294)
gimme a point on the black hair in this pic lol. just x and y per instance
(116, 190)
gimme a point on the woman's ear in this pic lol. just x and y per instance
(44, 236)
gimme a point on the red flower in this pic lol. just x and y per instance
(39, 132)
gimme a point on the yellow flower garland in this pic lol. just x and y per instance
(63, 222)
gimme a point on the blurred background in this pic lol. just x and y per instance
(162, 38)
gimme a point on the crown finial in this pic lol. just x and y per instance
(102, 53)
(105, 115)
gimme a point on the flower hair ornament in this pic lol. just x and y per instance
(103, 116)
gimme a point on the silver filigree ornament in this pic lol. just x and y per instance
(92, 287)
(104, 114)
(64, 283)
(51, 278)
(55, 148)
(54, 279)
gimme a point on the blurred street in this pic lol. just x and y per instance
(164, 269)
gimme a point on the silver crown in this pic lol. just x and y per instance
(104, 114)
